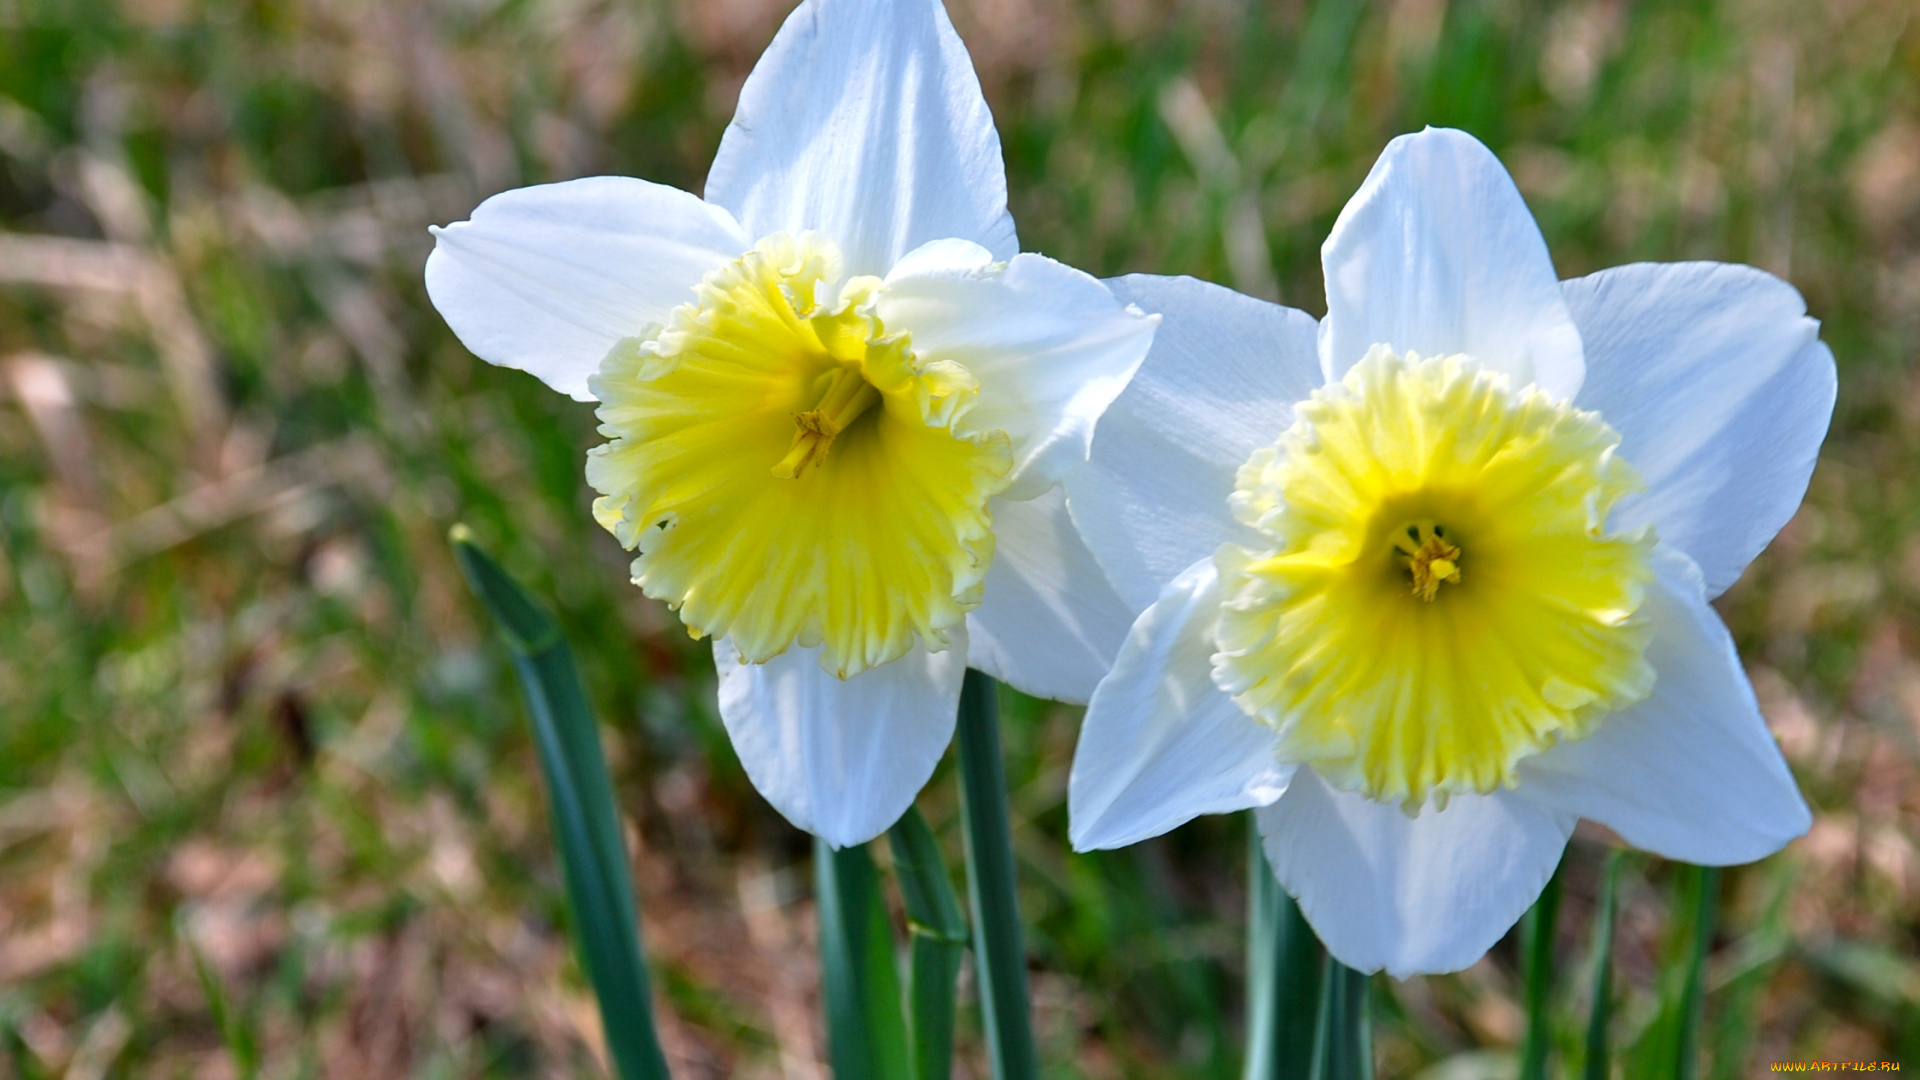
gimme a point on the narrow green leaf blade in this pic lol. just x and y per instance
(999, 952)
(1343, 1045)
(1599, 1064)
(518, 617)
(924, 885)
(866, 1033)
(1325, 48)
(1693, 996)
(1668, 1048)
(933, 996)
(234, 1031)
(939, 942)
(1284, 961)
(586, 822)
(1540, 926)
(1740, 986)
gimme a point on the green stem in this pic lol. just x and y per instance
(1599, 1064)
(1284, 961)
(1343, 1046)
(999, 954)
(1541, 923)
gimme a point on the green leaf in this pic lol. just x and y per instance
(866, 1034)
(1739, 984)
(939, 942)
(1669, 1048)
(1884, 977)
(1599, 1063)
(1538, 931)
(235, 1032)
(586, 823)
(1284, 962)
(1325, 48)
(999, 954)
(1693, 994)
(1343, 1043)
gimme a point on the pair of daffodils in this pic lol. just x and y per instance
(1423, 582)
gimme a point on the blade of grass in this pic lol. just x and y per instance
(866, 1034)
(1693, 997)
(1541, 923)
(1325, 48)
(1284, 961)
(234, 1031)
(1599, 1064)
(999, 954)
(939, 941)
(1740, 984)
(586, 825)
(1343, 1042)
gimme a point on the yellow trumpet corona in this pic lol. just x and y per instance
(790, 472)
(1441, 598)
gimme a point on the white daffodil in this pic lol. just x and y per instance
(1428, 581)
(838, 403)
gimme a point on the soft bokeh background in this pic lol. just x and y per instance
(267, 801)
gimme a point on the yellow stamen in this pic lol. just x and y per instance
(847, 396)
(1430, 559)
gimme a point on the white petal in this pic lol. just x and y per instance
(1415, 896)
(1721, 391)
(864, 120)
(1050, 346)
(1221, 381)
(1050, 624)
(1161, 744)
(841, 758)
(1691, 773)
(1437, 253)
(545, 279)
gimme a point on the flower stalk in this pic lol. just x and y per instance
(1343, 1047)
(1284, 962)
(999, 953)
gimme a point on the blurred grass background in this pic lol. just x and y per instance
(267, 801)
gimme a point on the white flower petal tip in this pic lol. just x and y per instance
(1160, 744)
(1220, 381)
(864, 120)
(1050, 346)
(1049, 624)
(1437, 254)
(1691, 773)
(546, 279)
(1410, 896)
(1722, 392)
(840, 758)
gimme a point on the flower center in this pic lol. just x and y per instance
(790, 472)
(1430, 559)
(846, 396)
(1358, 633)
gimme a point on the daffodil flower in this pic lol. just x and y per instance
(1427, 581)
(838, 402)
